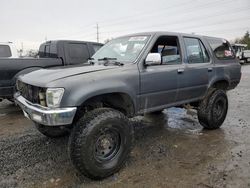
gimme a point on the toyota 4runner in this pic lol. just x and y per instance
(130, 75)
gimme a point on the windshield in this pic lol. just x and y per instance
(124, 49)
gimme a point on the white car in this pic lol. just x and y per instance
(8, 50)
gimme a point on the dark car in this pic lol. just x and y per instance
(130, 75)
(51, 54)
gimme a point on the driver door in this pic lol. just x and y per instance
(159, 83)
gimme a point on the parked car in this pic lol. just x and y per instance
(239, 52)
(51, 53)
(129, 76)
(8, 50)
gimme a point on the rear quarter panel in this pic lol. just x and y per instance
(228, 70)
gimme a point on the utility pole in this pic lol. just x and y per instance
(97, 32)
(21, 50)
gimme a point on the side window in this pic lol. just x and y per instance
(5, 51)
(78, 51)
(196, 52)
(221, 48)
(168, 47)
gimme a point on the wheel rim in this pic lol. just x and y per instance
(107, 145)
(219, 108)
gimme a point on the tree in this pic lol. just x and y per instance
(107, 40)
(244, 40)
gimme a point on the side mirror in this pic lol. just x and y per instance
(153, 59)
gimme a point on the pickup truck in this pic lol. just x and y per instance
(246, 56)
(130, 75)
(51, 53)
(241, 53)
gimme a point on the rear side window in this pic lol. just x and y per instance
(221, 48)
(5, 51)
(196, 52)
(78, 51)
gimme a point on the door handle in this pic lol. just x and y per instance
(210, 69)
(180, 71)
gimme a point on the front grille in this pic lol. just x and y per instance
(29, 92)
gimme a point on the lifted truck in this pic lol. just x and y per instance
(130, 75)
(51, 53)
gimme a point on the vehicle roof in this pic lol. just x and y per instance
(77, 41)
(169, 33)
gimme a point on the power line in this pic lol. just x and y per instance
(169, 22)
(170, 10)
(180, 22)
(143, 14)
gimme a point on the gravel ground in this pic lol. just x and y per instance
(171, 150)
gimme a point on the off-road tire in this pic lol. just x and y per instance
(85, 138)
(52, 132)
(212, 109)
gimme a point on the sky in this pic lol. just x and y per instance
(31, 22)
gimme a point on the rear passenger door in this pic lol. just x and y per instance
(193, 79)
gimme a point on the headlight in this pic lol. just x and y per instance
(54, 96)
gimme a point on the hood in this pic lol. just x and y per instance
(44, 76)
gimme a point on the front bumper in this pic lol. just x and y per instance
(44, 115)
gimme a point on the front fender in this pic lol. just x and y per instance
(78, 96)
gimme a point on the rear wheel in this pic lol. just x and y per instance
(100, 142)
(52, 132)
(212, 110)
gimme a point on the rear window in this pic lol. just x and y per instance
(221, 48)
(5, 51)
(78, 51)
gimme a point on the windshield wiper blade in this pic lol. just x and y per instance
(107, 59)
(113, 63)
(110, 60)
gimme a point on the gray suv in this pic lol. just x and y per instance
(129, 76)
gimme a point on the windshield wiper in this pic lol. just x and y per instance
(113, 63)
(91, 60)
(107, 59)
(110, 60)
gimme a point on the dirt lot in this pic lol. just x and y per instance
(171, 150)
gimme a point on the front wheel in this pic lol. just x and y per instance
(212, 110)
(100, 142)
